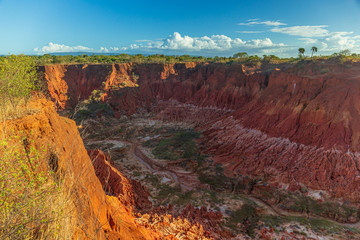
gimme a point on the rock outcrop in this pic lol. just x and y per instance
(295, 123)
(129, 192)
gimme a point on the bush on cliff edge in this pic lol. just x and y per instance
(18, 78)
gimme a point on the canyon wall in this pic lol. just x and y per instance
(295, 124)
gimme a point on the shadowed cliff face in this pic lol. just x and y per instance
(69, 84)
(296, 125)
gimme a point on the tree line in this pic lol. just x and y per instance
(240, 57)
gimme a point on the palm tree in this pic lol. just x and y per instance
(313, 49)
(301, 52)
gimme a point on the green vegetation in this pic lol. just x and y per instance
(18, 78)
(247, 216)
(318, 225)
(157, 58)
(301, 52)
(297, 202)
(241, 57)
(32, 197)
(216, 178)
(92, 107)
(180, 145)
(313, 50)
(120, 58)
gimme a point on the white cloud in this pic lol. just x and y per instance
(54, 47)
(257, 22)
(303, 31)
(58, 48)
(272, 23)
(334, 42)
(218, 43)
(205, 45)
(341, 40)
(104, 49)
(114, 49)
(309, 40)
(109, 49)
(134, 46)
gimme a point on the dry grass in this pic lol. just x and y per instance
(8, 112)
(34, 202)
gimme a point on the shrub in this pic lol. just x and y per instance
(181, 145)
(33, 201)
(18, 78)
(247, 216)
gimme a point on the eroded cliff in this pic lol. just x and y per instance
(295, 124)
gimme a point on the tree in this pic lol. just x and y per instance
(301, 52)
(313, 49)
(345, 52)
(18, 77)
(270, 59)
(241, 55)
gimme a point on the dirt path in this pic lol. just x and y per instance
(187, 180)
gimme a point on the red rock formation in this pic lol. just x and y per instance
(208, 221)
(129, 192)
(190, 223)
(293, 124)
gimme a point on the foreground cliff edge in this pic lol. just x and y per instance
(91, 213)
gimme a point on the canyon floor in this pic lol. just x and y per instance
(166, 158)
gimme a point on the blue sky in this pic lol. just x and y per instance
(193, 27)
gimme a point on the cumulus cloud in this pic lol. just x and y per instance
(54, 48)
(178, 44)
(219, 43)
(303, 31)
(251, 22)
